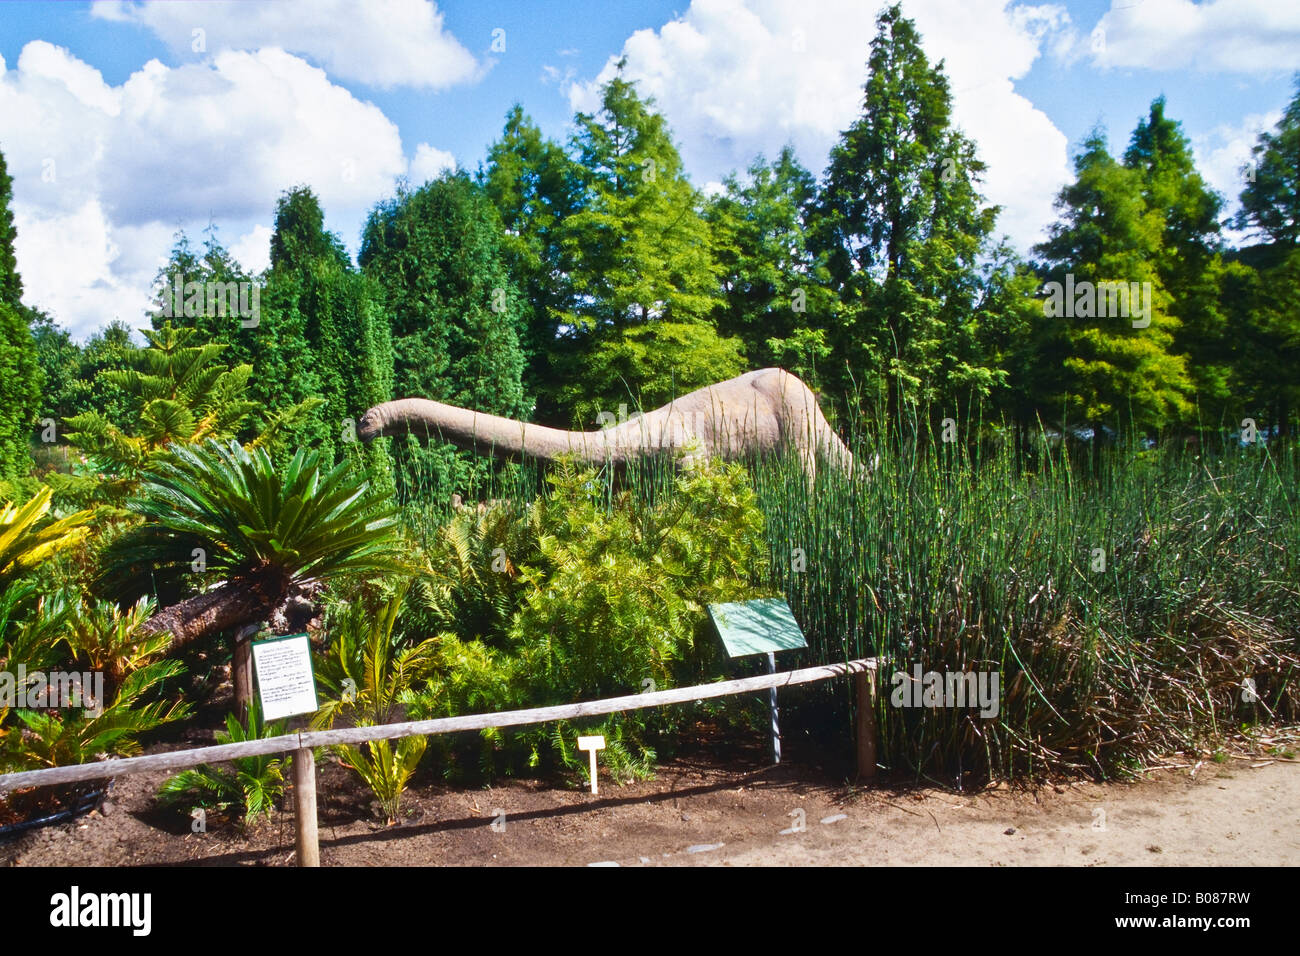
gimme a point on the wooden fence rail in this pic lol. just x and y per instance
(301, 743)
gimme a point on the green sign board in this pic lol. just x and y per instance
(757, 627)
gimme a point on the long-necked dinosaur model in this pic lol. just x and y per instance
(754, 413)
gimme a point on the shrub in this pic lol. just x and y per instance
(603, 591)
(250, 785)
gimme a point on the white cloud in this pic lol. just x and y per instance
(1221, 153)
(252, 250)
(382, 43)
(67, 261)
(429, 163)
(736, 78)
(1237, 36)
(115, 170)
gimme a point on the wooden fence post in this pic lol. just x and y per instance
(304, 807)
(241, 670)
(866, 729)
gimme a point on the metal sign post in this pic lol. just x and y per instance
(759, 627)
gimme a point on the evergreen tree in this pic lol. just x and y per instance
(178, 392)
(325, 334)
(454, 310)
(20, 393)
(11, 286)
(1270, 203)
(300, 238)
(1263, 307)
(215, 317)
(534, 186)
(777, 298)
(1187, 261)
(1097, 366)
(638, 252)
(21, 379)
(639, 244)
(1262, 281)
(902, 225)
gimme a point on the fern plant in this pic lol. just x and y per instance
(250, 785)
(474, 584)
(610, 590)
(110, 640)
(55, 738)
(182, 395)
(373, 678)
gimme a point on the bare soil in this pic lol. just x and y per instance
(712, 807)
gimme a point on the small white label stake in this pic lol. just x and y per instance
(591, 745)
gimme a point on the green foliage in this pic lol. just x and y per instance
(1187, 260)
(324, 335)
(257, 526)
(181, 395)
(11, 284)
(300, 239)
(900, 222)
(211, 325)
(250, 785)
(454, 309)
(374, 679)
(473, 586)
(606, 590)
(1270, 201)
(534, 186)
(106, 638)
(20, 379)
(26, 540)
(777, 293)
(76, 735)
(1100, 368)
(1264, 309)
(54, 633)
(650, 365)
(74, 374)
(637, 248)
(638, 241)
(964, 560)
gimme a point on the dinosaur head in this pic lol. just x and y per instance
(371, 424)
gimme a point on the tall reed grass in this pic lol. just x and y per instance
(1124, 597)
(1128, 598)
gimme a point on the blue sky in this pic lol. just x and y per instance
(123, 122)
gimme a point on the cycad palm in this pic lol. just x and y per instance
(259, 529)
(24, 543)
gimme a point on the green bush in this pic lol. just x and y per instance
(251, 786)
(587, 593)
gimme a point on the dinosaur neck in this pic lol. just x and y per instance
(489, 434)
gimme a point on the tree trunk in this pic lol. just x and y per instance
(222, 609)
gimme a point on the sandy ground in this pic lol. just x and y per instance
(727, 810)
(1235, 816)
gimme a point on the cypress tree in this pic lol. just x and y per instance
(21, 379)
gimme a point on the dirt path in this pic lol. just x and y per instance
(709, 810)
(1237, 816)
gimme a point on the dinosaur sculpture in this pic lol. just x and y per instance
(755, 413)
